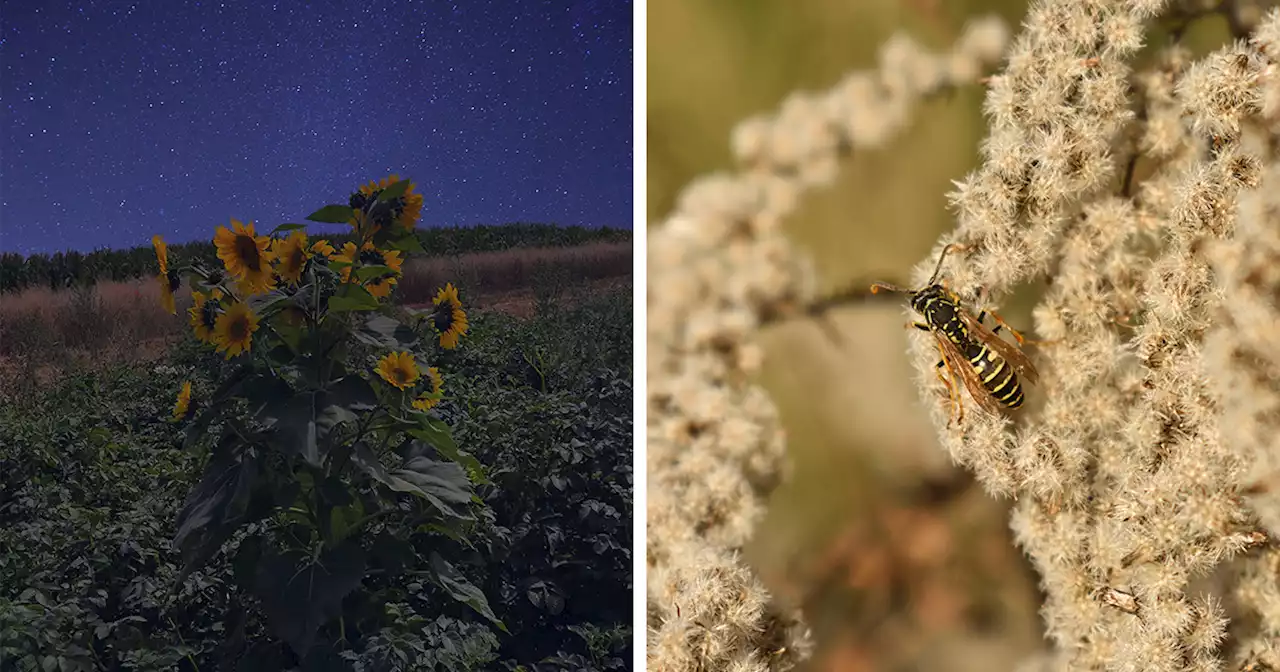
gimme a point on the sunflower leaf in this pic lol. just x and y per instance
(396, 190)
(305, 421)
(353, 393)
(435, 433)
(459, 588)
(382, 331)
(215, 508)
(332, 214)
(366, 273)
(442, 484)
(261, 304)
(290, 335)
(352, 298)
(299, 594)
(287, 227)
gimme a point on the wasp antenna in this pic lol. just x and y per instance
(878, 287)
(941, 257)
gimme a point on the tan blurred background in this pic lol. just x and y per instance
(900, 561)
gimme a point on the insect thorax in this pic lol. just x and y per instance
(942, 313)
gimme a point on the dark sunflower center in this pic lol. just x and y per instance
(383, 213)
(238, 330)
(298, 258)
(443, 317)
(247, 251)
(209, 313)
(372, 258)
(174, 280)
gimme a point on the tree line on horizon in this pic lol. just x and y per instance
(62, 270)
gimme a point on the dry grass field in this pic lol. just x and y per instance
(44, 333)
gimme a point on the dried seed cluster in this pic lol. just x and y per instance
(718, 265)
(1149, 202)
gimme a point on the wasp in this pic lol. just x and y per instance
(987, 365)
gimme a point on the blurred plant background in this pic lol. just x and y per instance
(898, 559)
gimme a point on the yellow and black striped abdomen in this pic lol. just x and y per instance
(996, 375)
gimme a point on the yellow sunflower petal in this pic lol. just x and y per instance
(233, 330)
(242, 251)
(323, 247)
(347, 255)
(428, 400)
(291, 255)
(195, 315)
(398, 369)
(183, 403)
(166, 294)
(162, 253)
(448, 317)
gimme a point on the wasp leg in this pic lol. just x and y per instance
(1001, 324)
(953, 395)
(979, 295)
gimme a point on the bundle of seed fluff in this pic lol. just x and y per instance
(718, 265)
(1149, 202)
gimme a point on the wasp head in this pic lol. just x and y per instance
(930, 294)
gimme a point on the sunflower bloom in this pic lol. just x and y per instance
(360, 224)
(204, 314)
(369, 255)
(183, 403)
(323, 247)
(448, 317)
(408, 217)
(246, 255)
(254, 284)
(402, 211)
(291, 255)
(168, 282)
(293, 316)
(348, 254)
(398, 369)
(427, 400)
(162, 253)
(233, 330)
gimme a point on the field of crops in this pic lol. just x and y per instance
(44, 332)
(532, 569)
(66, 269)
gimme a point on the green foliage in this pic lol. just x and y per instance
(61, 270)
(558, 552)
(357, 574)
(306, 436)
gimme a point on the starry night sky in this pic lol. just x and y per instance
(126, 119)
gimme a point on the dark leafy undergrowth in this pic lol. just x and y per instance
(92, 477)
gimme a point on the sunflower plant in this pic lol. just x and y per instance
(324, 422)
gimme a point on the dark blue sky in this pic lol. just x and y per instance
(126, 119)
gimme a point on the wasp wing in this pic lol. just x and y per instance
(1010, 352)
(960, 367)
